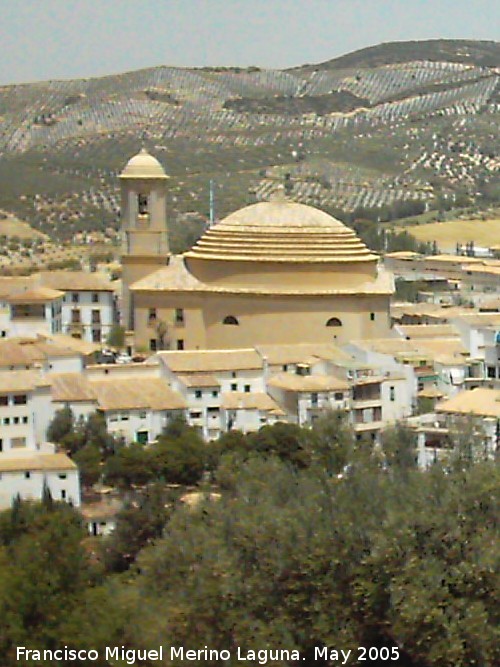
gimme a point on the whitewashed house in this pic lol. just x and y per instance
(206, 378)
(34, 311)
(27, 462)
(88, 306)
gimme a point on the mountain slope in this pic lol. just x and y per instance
(413, 122)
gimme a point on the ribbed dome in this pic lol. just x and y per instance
(281, 231)
(143, 165)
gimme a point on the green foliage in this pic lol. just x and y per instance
(399, 445)
(130, 466)
(138, 523)
(116, 336)
(43, 570)
(317, 541)
(332, 442)
(61, 425)
(88, 460)
(180, 455)
(289, 560)
(285, 441)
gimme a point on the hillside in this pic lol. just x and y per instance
(462, 51)
(413, 122)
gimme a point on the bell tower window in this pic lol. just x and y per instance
(143, 204)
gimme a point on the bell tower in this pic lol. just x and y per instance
(143, 224)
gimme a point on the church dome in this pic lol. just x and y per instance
(281, 231)
(143, 165)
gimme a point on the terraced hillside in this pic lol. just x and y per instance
(408, 122)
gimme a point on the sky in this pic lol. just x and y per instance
(62, 39)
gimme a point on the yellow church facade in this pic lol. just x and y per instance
(275, 272)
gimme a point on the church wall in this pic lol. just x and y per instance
(271, 320)
(275, 320)
(191, 331)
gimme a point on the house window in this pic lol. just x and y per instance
(215, 393)
(314, 398)
(372, 317)
(95, 297)
(491, 372)
(234, 386)
(230, 319)
(96, 316)
(15, 420)
(195, 414)
(96, 335)
(285, 367)
(247, 388)
(6, 421)
(75, 316)
(63, 494)
(153, 346)
(142, 414)
(62, 475)
(334, 322)
(198, 393)
(124, 416)
(75, 297)
(25, 420)
(392, 394)
(179, 316)
(20, 399)
(151, 315)
(338, 396)
(4, 400)
(1, 445)
(180, 344)
(27, 475)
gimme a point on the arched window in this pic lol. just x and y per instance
(143, 204)
(230, 319)
(334, 322)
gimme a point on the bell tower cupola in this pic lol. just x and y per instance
(144, 230)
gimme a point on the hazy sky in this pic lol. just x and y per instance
(48, 39)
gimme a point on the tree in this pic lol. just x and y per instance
(88, 460)
(43, 570)
(61, 425)
(132, 465)
(399, 445)
(332, 442)
(116, 336)
(286, 441)
(137, 524)
(375, 560)
(180, 455)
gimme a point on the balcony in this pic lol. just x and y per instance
(366, 403)
(369, 426)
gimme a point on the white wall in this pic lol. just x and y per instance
(105, 306)
(13, 483)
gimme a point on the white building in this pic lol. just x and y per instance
(223, 389)
(34, 311)
(88, 306)
(470, 419)
(27, 462)
(137, 404)
(41, 353)
(27, 475)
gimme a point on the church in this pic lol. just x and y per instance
(275, 272)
